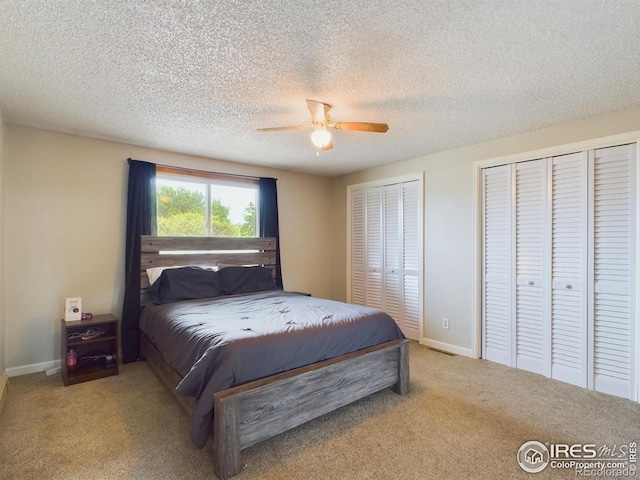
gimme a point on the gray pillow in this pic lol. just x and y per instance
(234, 280)
(186, 283)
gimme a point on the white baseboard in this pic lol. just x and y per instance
(447, 347)
(33, 368)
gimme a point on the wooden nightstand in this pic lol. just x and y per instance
(105, 348)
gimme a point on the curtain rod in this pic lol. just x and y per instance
(205, 171)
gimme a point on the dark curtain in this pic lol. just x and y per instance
(141, 220)
(269, 218)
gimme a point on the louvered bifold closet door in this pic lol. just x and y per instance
(411, 307)
(373, 253)
(392, 253)
(358, 266)
(497, 265)
(613, 272)
(569, 348)
(531, 341)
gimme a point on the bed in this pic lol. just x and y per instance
(357, 351)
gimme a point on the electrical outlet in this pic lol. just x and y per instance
(445, 323)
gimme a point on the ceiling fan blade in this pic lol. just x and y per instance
(319, 111)
(277, 129)
(361, 126)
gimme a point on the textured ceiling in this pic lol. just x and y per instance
(201, 77)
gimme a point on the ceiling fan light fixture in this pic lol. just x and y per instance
(320, 120)
(321, 137)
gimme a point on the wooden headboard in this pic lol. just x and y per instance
(158, 251)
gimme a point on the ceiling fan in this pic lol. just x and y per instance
(320, 121)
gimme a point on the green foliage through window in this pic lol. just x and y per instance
(182, 212)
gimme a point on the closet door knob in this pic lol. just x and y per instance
(531, 282)
(567, 286)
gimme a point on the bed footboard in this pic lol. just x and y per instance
(250, 413)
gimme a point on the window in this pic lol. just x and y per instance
(201, 204)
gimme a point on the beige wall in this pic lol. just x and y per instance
(64, 216)
(65, 227)
(448, 221)
(2, 252)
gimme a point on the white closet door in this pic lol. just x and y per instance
(358, 266)
(531, 340)
(411, 258)
(392, 253)
(497, 265)
(569, 348)
(613, 259)
(374, 248)
(385, 249)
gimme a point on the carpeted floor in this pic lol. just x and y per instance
(464, 418)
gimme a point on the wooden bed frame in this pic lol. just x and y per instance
(252, 412)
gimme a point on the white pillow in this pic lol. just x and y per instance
(155, 272)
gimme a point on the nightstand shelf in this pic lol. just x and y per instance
(102, 338)
(107, 344)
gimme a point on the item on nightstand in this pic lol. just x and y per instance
(110, 361)
(73, 309)
(87, 334)
(87, 316)
(72, 359)
(97, 357)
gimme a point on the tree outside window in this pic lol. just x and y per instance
(203, 207)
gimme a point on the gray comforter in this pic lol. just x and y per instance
(222, 342)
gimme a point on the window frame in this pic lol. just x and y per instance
(209, 180)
